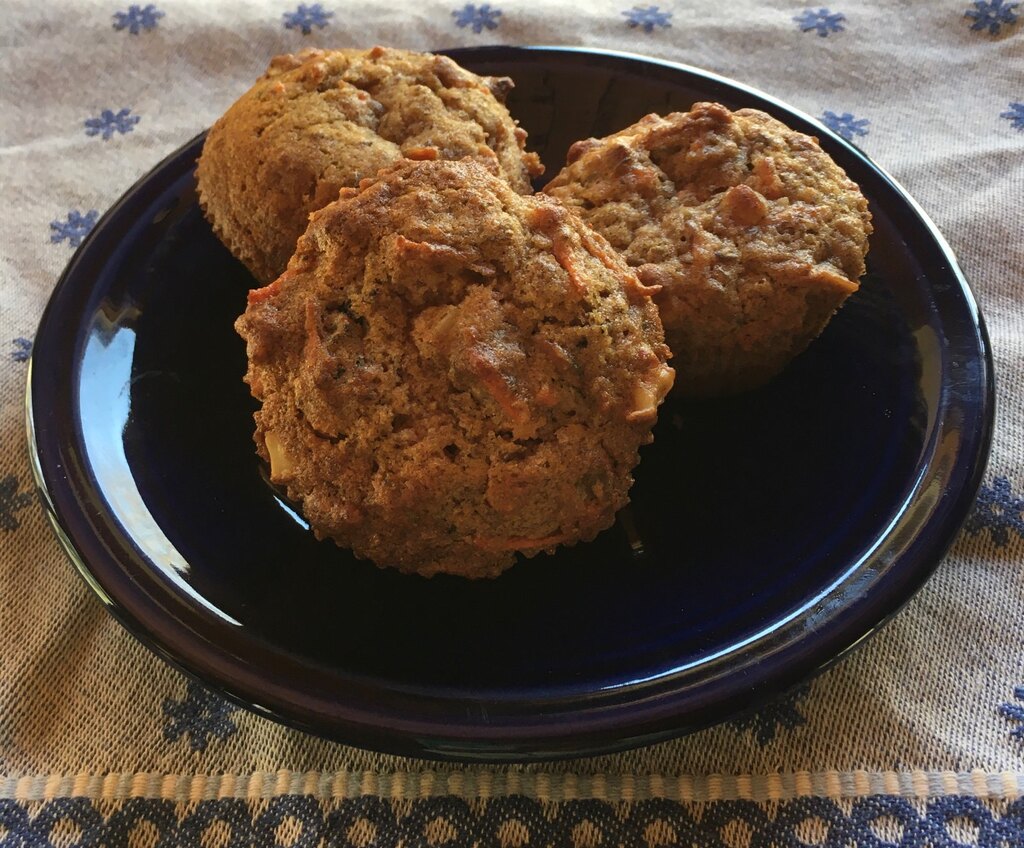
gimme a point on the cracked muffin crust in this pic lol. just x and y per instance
(323, 120)
(754, 235)
(451, 372)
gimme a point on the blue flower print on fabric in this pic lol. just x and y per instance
(846, 124)
(647, 18)
(477, 18)
(991, 15)
(997, 510)
(306, 17)
(780, 714)
(1015, 115)
(199, 715)
(12, 502)
(75, 228)
(821, 21)
(138, 18)
(1015, 712)
(109, 122)
(22, 349)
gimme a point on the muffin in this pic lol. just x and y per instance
(752, 235)
(323, 120)
(451, 373)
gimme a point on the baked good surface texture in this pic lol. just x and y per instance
(451, 373)
(323, 120)
(754, 235)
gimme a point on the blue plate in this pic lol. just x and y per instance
(768, 533)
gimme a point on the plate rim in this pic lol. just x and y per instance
(572, 735)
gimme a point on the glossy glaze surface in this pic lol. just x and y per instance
(768, 532)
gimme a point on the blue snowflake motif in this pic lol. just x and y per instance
(22, 349)
(779, 714)
(478, 19)
(307, 17)
(1015, 712)
(138, 18)
(991, 15)
(75, 228)
(201, 714)
(846, 124)
(1015, 115)
(647, 18)
(11, 501)
(999, 511)
(822, 20)
(110, 122)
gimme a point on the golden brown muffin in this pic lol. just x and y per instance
(325, 119)
(753, 233)
(451, 372)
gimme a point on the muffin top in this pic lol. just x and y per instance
(323, 120)
(753, 234)
(451, 373)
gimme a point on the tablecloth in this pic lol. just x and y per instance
(916, 739)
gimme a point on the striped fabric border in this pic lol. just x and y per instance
(513, 821)
(543, 786)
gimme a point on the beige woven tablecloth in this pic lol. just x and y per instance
(917, 739)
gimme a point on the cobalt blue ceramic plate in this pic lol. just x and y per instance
(775, 529)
